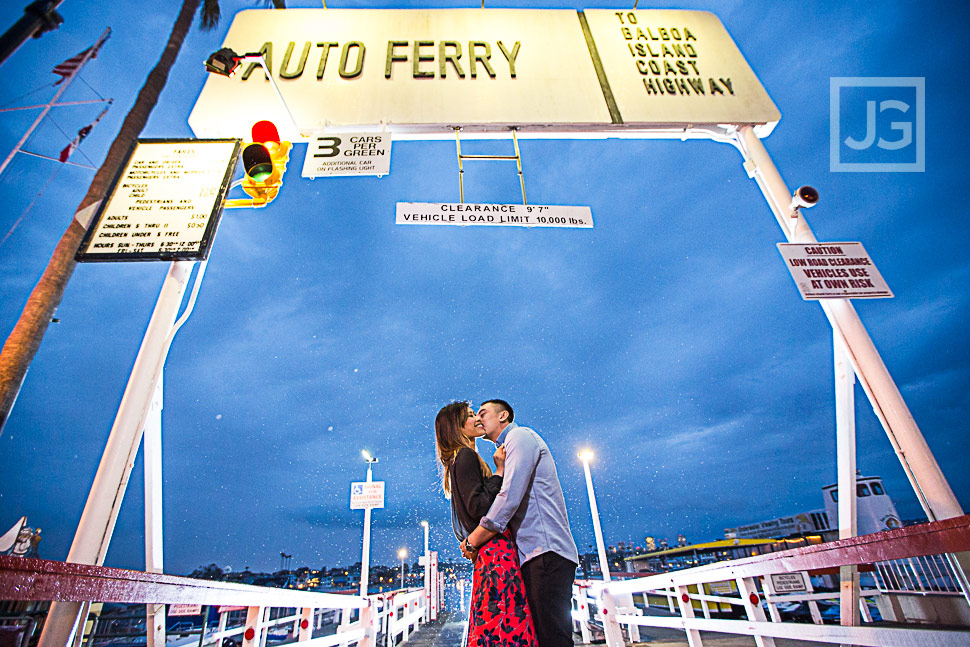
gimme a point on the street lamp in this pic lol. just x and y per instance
(586, 456)
(365, 551)
(226, 62)
(402, 554)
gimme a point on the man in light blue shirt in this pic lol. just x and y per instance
(531, 503)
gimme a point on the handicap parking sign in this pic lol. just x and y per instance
(369, 494)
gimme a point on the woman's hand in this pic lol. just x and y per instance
(499, 458)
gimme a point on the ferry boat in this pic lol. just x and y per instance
(875, 512)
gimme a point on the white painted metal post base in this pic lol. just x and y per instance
(369, 624)
(305, 626)
(104, 500)
(154, 553)
(365, 548)
(611, 625)
(846, 468)
(748, 589)
(582, 614)
(686, 607)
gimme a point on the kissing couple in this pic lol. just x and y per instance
(512, 525)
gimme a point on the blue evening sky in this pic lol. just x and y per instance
(670, 338)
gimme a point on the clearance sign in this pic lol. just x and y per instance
(422, 73)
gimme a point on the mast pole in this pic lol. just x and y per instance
(50, 104)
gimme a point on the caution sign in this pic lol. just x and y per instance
(788, 583)
(184, 609)
(366, 494)
(165, 204)
(332, 154)
(834, 271)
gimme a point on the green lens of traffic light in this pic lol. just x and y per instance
(260, 172)
(257, 162)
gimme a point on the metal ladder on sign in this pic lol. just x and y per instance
(508, 158)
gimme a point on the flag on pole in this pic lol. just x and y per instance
(81, 134)
(71, 65)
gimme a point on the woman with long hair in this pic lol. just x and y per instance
(499, 614)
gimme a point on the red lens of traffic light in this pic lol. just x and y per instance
(265, 131)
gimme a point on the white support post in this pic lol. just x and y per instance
(433, 579)
(365, 549)
(406, 622)
(702, 589)
(928, 482)
(263, 631)
(611, 626)
(154, 553)
(306, 625)
(111, 480)
(368, 623)
(864, 610)
(752, 606)
(252, 635)
(686, 607)
(769, 588)
(223, 621)
(582, 610)
(390, 618)
(627, 607)
(812, 604)
(431, 609)
(846, 467)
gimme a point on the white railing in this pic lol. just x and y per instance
(405, 611)
(397, 614)
(923, 574)
(746, 584)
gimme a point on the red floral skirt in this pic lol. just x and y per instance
(499, 615)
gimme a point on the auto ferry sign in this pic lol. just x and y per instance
(421, 73)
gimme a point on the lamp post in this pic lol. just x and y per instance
(226, 62)
(403, 554)
(587, 455)
(365, 552)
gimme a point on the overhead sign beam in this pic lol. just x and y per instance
(420, 74)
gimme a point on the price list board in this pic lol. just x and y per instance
(165, 204)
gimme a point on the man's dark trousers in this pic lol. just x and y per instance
(549, 590)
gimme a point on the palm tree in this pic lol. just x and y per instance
(25, 339)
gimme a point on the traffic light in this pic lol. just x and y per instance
(264, 161)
